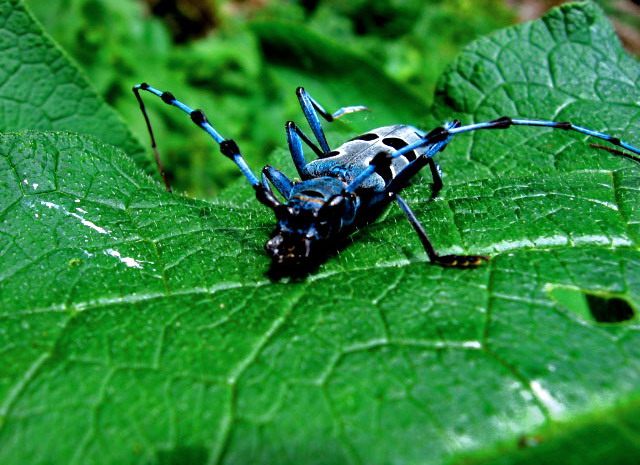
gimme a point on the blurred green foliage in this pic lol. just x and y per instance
(206, 53)
(120, 43)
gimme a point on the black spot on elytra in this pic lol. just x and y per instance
(366, 137)
(397, 143)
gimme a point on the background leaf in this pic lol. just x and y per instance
(140, 327)
(42, 90)
(566, 67)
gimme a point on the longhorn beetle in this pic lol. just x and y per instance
(350, 186)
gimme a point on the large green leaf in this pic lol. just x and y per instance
(140, 327)
(568, 66)
(41, 89)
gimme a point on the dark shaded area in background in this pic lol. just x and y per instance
(186, 19)
(193, 19)
(625, 15)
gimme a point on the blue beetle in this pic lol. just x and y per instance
(348, 187)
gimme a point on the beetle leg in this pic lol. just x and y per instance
(311, 109)
(281, 182)
(450, 261)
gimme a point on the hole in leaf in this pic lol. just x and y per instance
(593, 307)
(74, 263)
(612, 310)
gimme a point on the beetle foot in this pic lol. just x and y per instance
(461, 261)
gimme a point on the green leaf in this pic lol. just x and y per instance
(568, 66)
(607, 437)
(42, 89)
(140, 327)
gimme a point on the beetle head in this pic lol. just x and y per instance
(304, 227)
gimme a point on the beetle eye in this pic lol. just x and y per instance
(335, 201)
(333, 205)
(281, 211)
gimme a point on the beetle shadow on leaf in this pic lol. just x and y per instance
(183, 455)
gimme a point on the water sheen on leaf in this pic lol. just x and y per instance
(140, 327)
